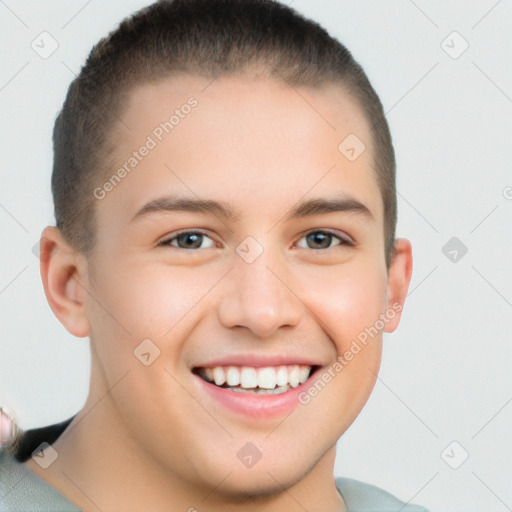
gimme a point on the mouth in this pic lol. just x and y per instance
(266, 380)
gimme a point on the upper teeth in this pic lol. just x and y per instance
(266, 377)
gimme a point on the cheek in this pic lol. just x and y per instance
(160, 303)
(131, 304)
(347, 301)
(348, 307)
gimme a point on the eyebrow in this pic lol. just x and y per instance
(321, 206)
(187, 204)
(304, 208)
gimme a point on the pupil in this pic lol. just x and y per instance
(319, 240)
(190, 240)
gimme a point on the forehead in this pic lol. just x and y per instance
(248, 141)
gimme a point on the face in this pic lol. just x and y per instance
(247, 250)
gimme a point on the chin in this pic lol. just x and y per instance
(257, 488)
(259, 484)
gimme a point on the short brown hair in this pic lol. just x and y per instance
(207, 38)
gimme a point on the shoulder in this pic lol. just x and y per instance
(363, 497)
(22, 490)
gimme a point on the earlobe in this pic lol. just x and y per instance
(62, 271)
(399, 278)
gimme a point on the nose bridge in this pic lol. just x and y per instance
(258, 281)
(258, 298)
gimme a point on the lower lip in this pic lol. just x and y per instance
(261, 406)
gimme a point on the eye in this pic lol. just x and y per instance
(321, 240)
(189, 240)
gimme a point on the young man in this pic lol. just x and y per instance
(225, 203)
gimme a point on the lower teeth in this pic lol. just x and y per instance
(259, 391)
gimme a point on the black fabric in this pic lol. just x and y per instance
(28, 441)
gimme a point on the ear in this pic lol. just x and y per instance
(63, 271)
(399, 277)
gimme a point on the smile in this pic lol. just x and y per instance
(259, 380)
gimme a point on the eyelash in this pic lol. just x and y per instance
(343, 240)
(167, 241)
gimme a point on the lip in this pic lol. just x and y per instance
(257, 361)
(253, 405)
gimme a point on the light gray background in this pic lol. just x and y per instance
(446, 372)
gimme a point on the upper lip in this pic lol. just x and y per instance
(257, 361)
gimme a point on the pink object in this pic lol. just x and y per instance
(8, 428)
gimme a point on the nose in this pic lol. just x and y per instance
(261, 296)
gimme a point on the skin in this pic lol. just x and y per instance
(258, 146)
